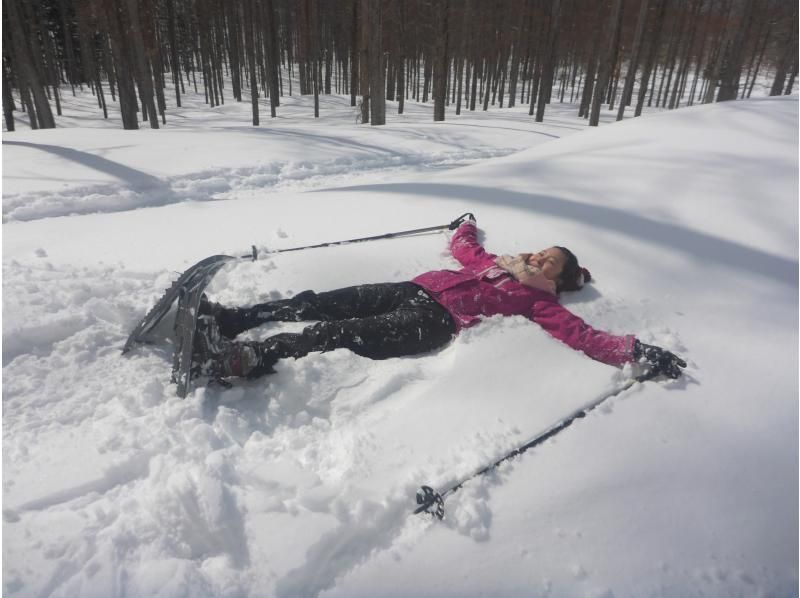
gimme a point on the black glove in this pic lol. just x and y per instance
(660, 360)
(461, 219)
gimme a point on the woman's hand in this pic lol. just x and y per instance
(461, 219)
(660, 360)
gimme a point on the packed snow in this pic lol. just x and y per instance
(302, 483)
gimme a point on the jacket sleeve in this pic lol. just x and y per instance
(465, 247)
(572, 330)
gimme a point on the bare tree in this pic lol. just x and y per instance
(8, 99)
(605, 64)
(683, 67)
(731, 70)
(441, 62)
(249, 25)
(364, 58)
(549, 60)
(787, 57)
(27, 55)
(633, 63)
(377, 66)
(655, 40)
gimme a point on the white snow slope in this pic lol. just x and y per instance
(302, 483)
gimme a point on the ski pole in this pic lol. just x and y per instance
(402, 233)
(432, 501)
(253, 255)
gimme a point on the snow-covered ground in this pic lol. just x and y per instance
(302, 483)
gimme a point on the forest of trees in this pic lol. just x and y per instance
(458, 54)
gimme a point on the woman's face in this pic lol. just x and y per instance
(549, 261)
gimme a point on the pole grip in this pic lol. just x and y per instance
(457, 222)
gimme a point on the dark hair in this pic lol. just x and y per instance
(571, 278)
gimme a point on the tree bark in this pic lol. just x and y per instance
(605, 65)
(250, 51)
(787, 53)
(72, 69)
(633, 64)
(700, 53)
(715, 60)
(677, 91)
(732, 66)
(272, 51)
(400, 56)
(658, 27)
(173, 48)
(518, 31)
(312, 28)
(8, 101)
(364, 63)
(675, 38)
(354, 53)
(613, 70)
(592, 62)
(442, 63)
(28, 76)
(550, 60)
(142, 64)
(377, 66)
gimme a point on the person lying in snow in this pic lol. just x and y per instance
(406, 318)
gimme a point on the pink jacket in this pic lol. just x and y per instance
(481, 288)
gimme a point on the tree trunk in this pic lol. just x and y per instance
(536, 63)
(441, 61)
(605, 65)
(787, 53)
(700, 53)
(427, 72)
(72, 70)
(312, 27)
(677, 91)
(474, 90)
(377, 66)
(760, 34)
(272, 51)
(592, 63)
(549, 60)
(250, 51)
(142, 64)
(732, 66)
(611, 86)
(8, 102)
(518, 31)
(715, 61)
(28, 77)
(354, 53)
(364, 64)
(123, 70)
(633, 63)
(173, 47)
(675, 38)
(658, 27)
(792, 76)
(400, 56)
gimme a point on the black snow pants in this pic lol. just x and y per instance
(372, 320)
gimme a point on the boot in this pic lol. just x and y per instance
(232, 321)
(215, 356)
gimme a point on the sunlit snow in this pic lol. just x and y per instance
(302, 483)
